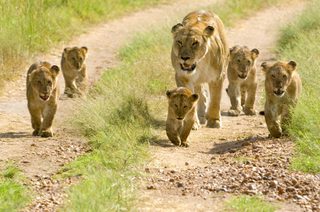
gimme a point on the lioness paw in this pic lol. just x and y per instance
(233, 112)
(214, 123)
(196, 125)
(249, 111)
(46, 134)
(35, 133)
(185, 144)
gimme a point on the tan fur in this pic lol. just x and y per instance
(200, 56)
(74, 71)
(181, 112)
(42, 96)
(242, 80)
(283, 87)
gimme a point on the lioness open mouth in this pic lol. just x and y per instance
(44, 97)
(242, 77)
(189, 69)
(278, 93)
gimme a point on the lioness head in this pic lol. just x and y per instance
(43, 81)
(190, 45)
(181, 101)
(278, 76)
(75, 56)
(242, 59)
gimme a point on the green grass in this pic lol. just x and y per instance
(33, 26)
(245, 203)
(118, 119)
(299, 42)
(13, 195)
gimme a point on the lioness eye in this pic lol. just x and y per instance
(179, 43)
(185, 106)
(284, 76)
(39, 82)
(49, 82)
(248, 62)
(176, 105)
(238, 60)
(273, 76)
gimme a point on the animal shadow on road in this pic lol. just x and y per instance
(15, 135)
(234, 146)
(161, 143)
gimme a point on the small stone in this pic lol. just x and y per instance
(179, 184)
(150, 187)
(186, 163)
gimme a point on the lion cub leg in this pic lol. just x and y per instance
(173, 128)
(234, 94)
(272, 117)
(248, 108)
(35, 120)
(82, 81)
(48, 115)
(186, 128)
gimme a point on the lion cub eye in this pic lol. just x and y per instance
(248, 62)
(39, 82)
(185, 107)
(176, 105)
(238, 60)
(284, 76)
(179, 43)
(195, 44)
(273, 76)
(49, 82)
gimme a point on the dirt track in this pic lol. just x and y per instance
(39, 158)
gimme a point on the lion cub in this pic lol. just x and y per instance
(242, 80)
(181, 115)
(74, 71)
(283, 87)
(42, 96)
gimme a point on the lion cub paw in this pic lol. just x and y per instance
(46, 134)
(185, 144)
(196, 125)
(35, 132)
(214, 123)
(249, 111)
(233, 112)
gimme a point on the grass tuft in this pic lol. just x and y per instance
(245, 203)
(299, 42)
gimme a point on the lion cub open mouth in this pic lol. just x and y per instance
(189, 68)
(44, 97)
(278, 93)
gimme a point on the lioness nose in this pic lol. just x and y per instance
(185, 58)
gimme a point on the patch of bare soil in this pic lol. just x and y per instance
(41, 158)
(239, 158)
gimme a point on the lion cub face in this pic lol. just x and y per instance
(242, 59)
(43, 81)
(190, 45)
(75, 56)
(278, 76)
(181, 101)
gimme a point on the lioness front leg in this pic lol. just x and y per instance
(48, 115)
(35, 120)
(213, 112)
(248, 108)
(273, 122)
(201, 106)
(234, 94)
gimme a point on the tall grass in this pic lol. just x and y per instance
(33, 26)
(300, 42)
(118, 121)
(13, 195)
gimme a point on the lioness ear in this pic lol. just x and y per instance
(208, 31)
(254, 53)
(84, 49)
(176, 27)
(194, 97)
(55, 70)
(292, 65)
(168, 93)
(265, 66)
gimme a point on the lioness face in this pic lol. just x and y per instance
(278, 76)
(190, 46)
(242, 60)
(44, 82)
(76, 56)
(181, 102)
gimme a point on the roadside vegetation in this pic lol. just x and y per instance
(300, 42)
(13, 195)
(119, 116)
(34, 26)
(245, 203)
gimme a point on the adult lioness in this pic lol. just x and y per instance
(283, 87)
(200, 55)
(242, 80)
(42, 96)
(181, 115)
(74, 71)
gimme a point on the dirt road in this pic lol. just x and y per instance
(237, 159)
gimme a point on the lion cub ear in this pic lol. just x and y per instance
(291, 66)
(84, 49)
(254, 53)
(55, 70)
(208, 31)
(176, 27)
(168, 93)
(66, 50)
(194, 97)
(265, 66)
